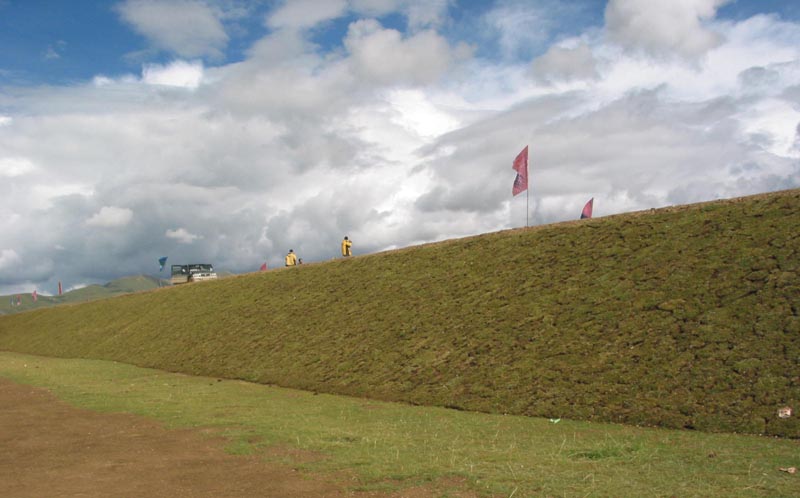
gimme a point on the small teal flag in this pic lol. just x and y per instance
(161, 262)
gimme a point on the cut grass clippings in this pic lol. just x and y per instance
(393, 446)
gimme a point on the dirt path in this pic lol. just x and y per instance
(49, 448)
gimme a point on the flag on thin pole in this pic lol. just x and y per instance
(587, 209)
(521, 180)
(161, 262)
(521, 167)
(35, 297)
(263, 267)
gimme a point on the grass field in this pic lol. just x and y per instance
(390, 446)
(685, 317)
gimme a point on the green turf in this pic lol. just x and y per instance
(683, 317)
(392, 446)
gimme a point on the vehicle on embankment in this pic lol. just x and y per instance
(196, 272)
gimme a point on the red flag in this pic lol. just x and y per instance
(35, 297)
(521, 167)
(59, 288)
(587, 209)
(263, 267)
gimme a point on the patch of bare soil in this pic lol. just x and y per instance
(49, 448)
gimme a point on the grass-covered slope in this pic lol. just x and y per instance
(681, 317)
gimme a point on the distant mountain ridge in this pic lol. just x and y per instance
(120, 286)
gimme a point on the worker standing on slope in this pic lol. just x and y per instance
(346, 243)
(291, 258)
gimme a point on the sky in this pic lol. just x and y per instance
(231, 131)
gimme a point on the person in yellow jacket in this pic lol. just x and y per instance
(291, 258)
(346, 244)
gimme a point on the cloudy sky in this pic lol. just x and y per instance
(229, 131)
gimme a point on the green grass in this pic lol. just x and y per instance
(684, 317)
(393, 446)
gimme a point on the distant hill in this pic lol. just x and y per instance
(683, 317)
(124, 285)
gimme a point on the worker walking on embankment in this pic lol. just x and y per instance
(291, 258)
(346, 244)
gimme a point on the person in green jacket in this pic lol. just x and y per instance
(346, 244)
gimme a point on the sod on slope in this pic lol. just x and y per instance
(683, 317)
(390, 446)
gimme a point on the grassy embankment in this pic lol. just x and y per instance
(393, 447)
(683, 317)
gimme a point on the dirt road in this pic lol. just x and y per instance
(49, 448)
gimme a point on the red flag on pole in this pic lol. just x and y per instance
(521, 167)
(59, 288)
(35, 297)
(263, 267)
(587, 209)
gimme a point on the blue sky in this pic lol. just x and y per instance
(57, 42)
(230, 131)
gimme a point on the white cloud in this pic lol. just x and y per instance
(182, 235)
(519, 26)
(664, 28)
(420, 14)
(179, 73)
(185, 27)
(391, 136)
(303, 14)
(15, 166)
(426, 13)
(419, 115)
(54, 51)
(385, 56)
(375, 8)
(9, 259)
(566, 64)
(306, 13)
(110, 217)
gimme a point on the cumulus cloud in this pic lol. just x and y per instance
(392, 136)
(9, 259)
(664, 28)
(385, 56)
(566, 64)
(15, 166)
(110, 217)
(179, 73)
(182, 235)
(424, 14)
(188, 28)
(305, 13)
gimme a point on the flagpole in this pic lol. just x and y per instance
(527, 209)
